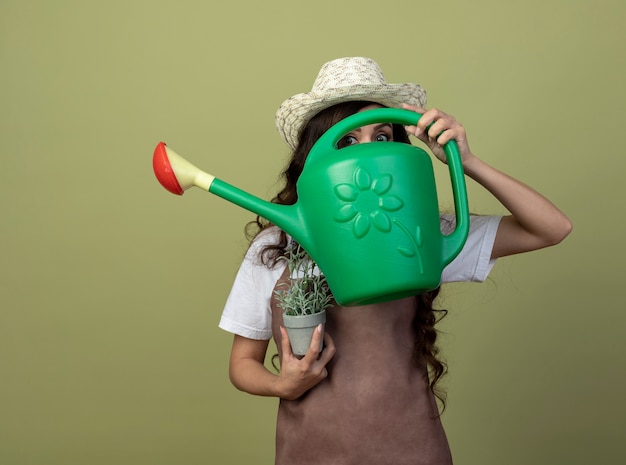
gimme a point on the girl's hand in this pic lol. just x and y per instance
(299, 375)
(435, 128)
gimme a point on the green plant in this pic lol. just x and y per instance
(307, 290)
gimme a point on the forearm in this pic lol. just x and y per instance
(535, 222)
(251, 376)
(247, 369)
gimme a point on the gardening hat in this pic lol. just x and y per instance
(343, 80)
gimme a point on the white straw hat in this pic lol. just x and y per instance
(343, 80)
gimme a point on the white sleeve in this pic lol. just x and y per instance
(247, 312)
(474, 262)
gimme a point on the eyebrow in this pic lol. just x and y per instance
(380, 126)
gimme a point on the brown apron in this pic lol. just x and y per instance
(374, 407)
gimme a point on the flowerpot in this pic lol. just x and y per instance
(300, 330)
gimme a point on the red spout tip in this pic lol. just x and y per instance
(163, 170)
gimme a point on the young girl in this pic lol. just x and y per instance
(360, 401)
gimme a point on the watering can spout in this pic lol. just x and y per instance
(176, 174)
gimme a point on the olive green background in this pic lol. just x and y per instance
(111, 288)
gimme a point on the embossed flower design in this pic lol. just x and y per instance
(368, 202)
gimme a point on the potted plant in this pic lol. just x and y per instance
(304, 300)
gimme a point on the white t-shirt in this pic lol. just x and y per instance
(248, 313)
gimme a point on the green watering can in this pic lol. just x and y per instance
(368, 214)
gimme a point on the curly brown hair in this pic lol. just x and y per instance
(426, 351)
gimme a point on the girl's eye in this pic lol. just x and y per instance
(347, 140)
(382, 138)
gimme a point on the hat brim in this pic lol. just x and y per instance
(295, 112)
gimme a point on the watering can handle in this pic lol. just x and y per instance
(453, 243)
